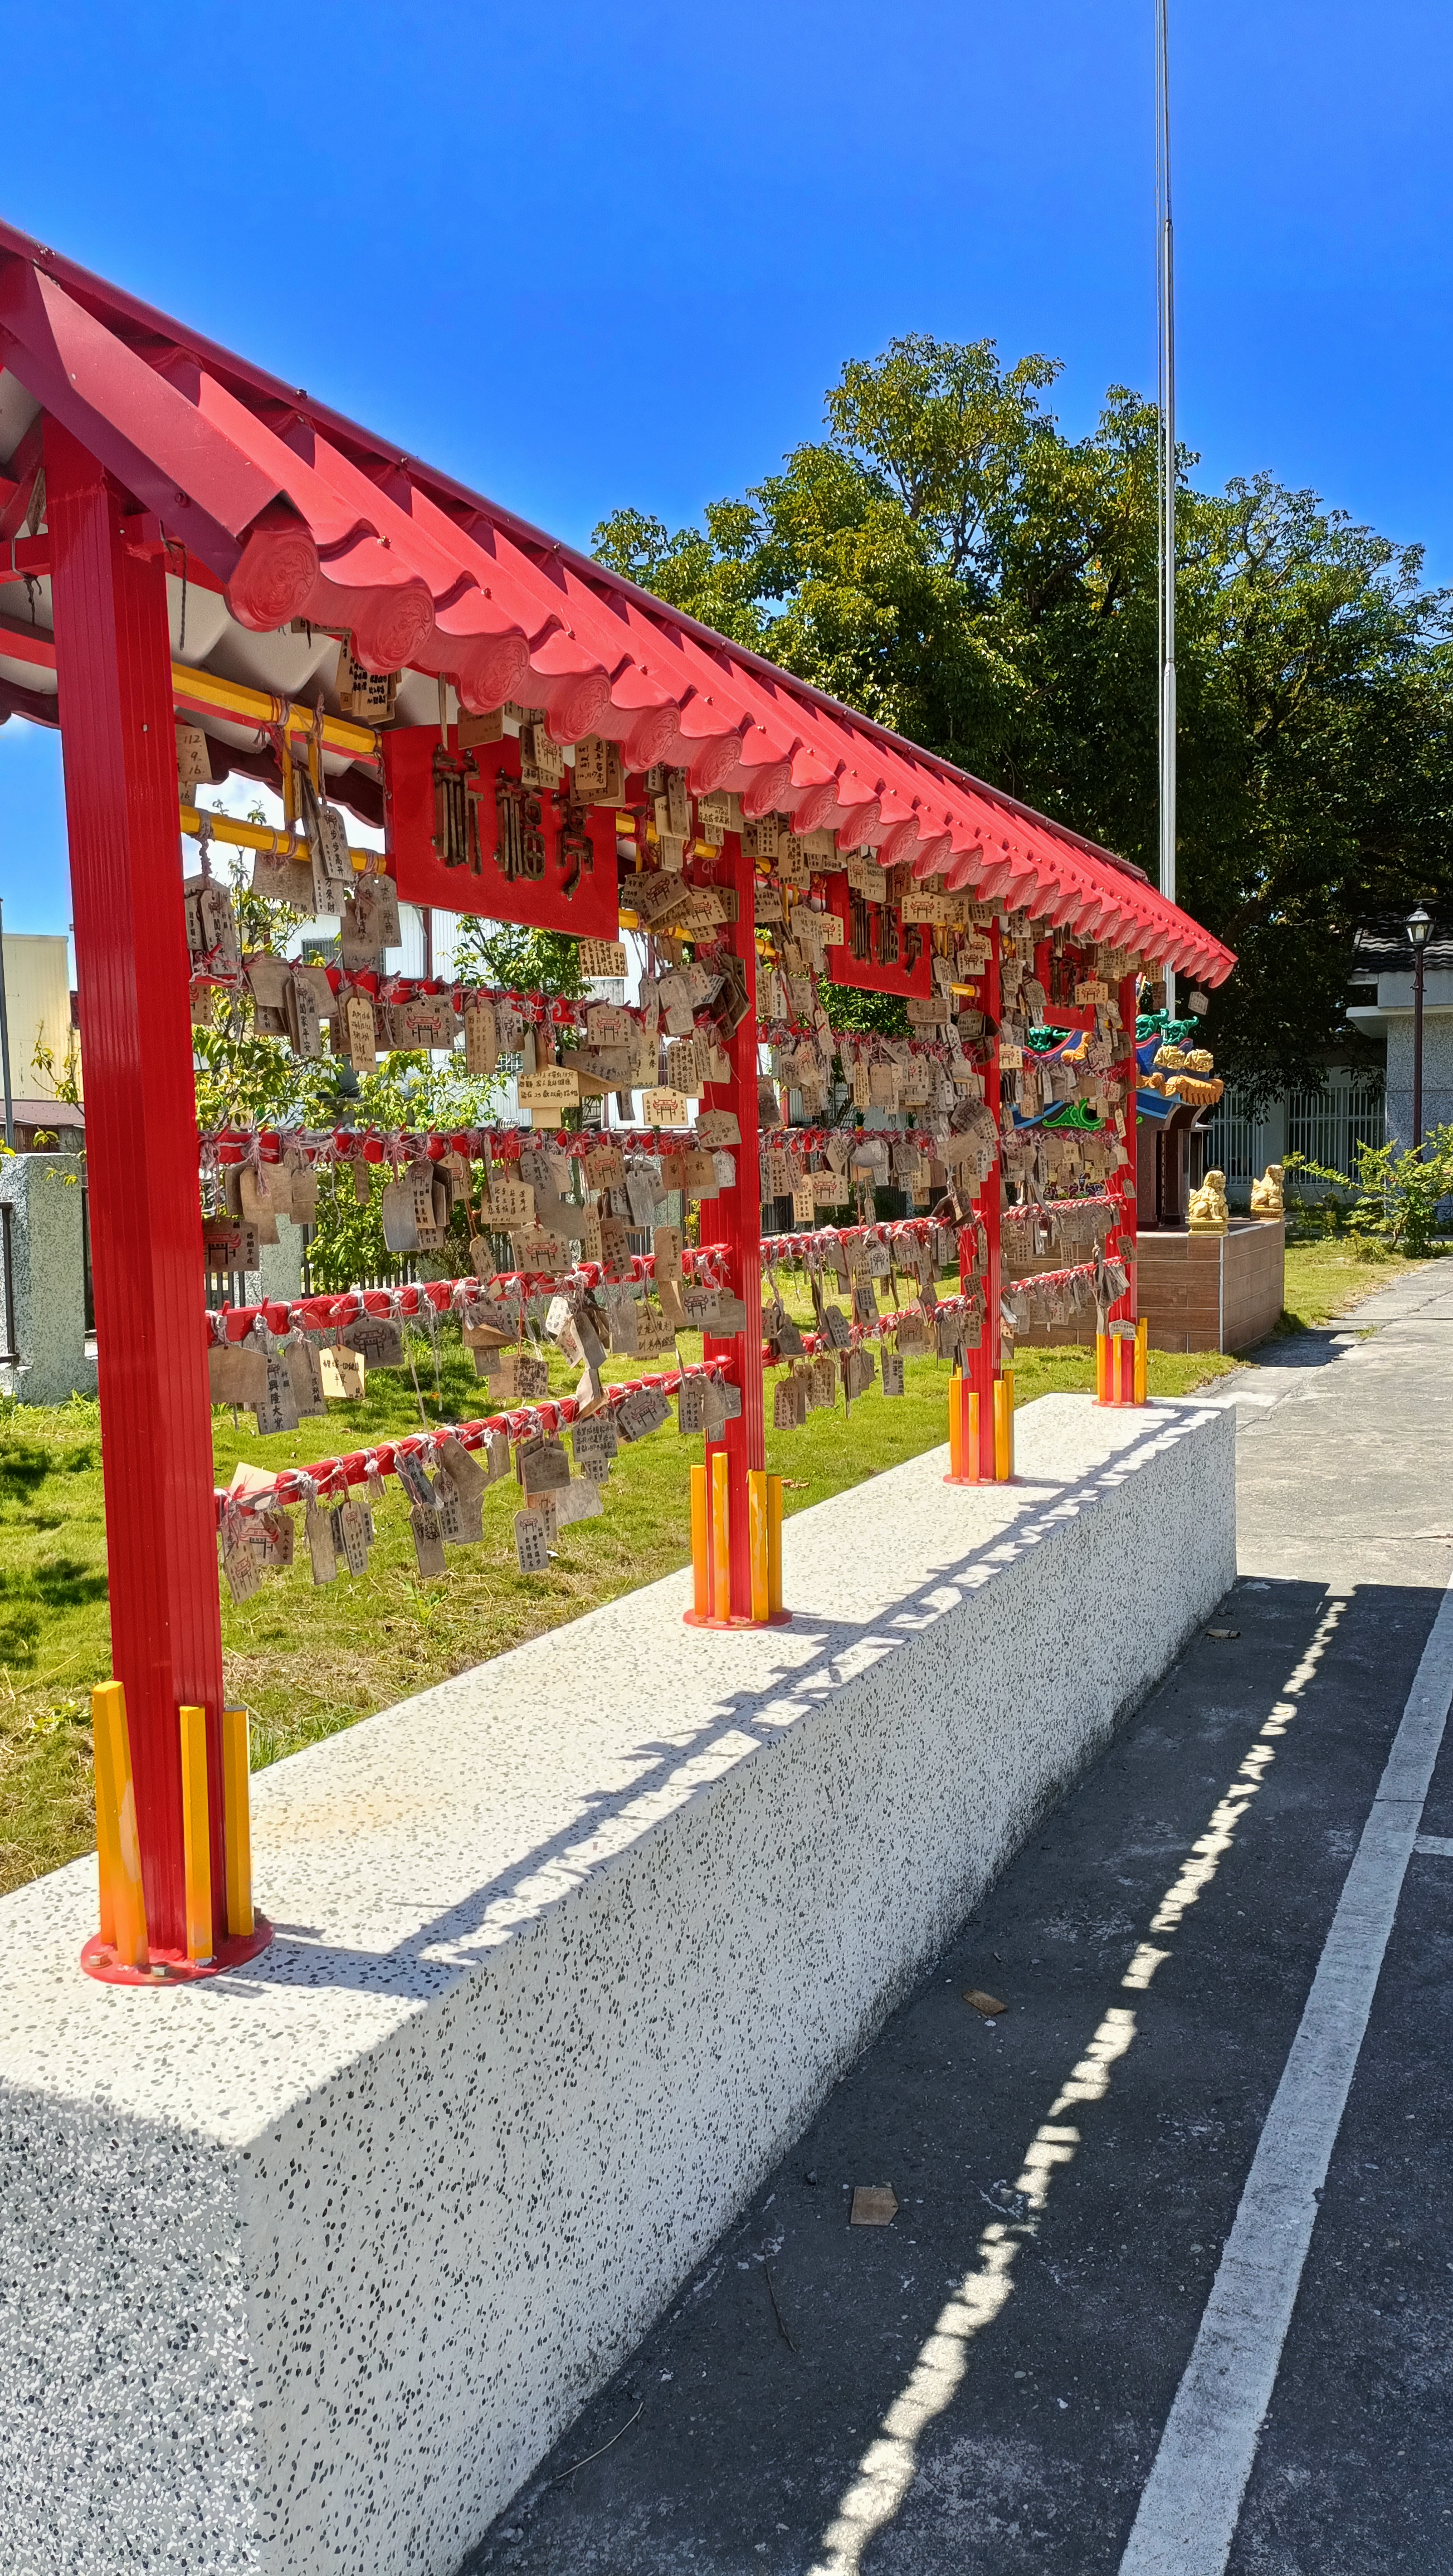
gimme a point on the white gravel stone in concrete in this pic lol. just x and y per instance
(305, 2268)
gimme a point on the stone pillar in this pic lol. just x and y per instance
(41, 1196)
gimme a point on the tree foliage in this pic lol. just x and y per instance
(946, 560)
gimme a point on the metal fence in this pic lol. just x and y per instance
(1235, 1141)
(1328, 1126)
(1325, 1127)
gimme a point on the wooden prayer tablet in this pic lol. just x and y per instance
(875, 2204)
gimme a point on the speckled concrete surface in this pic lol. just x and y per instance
(303, 2270)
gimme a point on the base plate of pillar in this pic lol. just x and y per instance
(173, 1967)
(699, 1619)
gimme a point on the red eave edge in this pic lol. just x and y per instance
(529, 581)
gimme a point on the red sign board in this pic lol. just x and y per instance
(513, 854)
(887, 941)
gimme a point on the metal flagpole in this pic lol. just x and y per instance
(5, 1045)
(1165, 297)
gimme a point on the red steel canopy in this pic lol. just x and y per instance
(178, 530)
(275, 510)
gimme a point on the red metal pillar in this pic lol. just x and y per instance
(113, 660)
(735, 1220)
(983, 1368)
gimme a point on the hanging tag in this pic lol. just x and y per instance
(360, 1041)
(428, 1544)
(642, 1413)
(461, 1515)
(272, 1539)
(481, 1036)
(236, 1372)
(464, 1471)
(400, 1212)
(239, 1564)
(379, 1340)
(341, 1374)
(306, 1377)
(413, 1475)
(577, 1501)
(545, 1469)
(350, 1535)
(691, 1406)
(318, 1530)
(595, 1444)
(261, 1193)
(531, 1544)
(276, 1406)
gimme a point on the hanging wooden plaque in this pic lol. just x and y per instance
(531, 857)
(874, 942)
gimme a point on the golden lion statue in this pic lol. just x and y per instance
(1207, 1212)
(1266, 1194)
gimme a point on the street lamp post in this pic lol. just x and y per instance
(1420, 930)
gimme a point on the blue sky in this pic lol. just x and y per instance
(615, 255)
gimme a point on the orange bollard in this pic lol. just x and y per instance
(1004, 1427)
(237, 1822)
(700, 1569)
(963, 1432)
(721, 1556)
(118, 1851)
(196, 1836)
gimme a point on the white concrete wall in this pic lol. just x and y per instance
(47, 1280)
(301, 2272)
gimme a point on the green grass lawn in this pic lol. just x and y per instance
(309, 1660)
(1330, 1272)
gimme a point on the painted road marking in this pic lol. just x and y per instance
(1192, 2501)
(1440, 1845)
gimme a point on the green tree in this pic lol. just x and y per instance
(946, 560)
(517, 960)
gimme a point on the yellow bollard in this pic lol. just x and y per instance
(237, 1822)
(759, 1541)
(721, 1565)
(196, 1836)
(774, 1547)
(700, 1589)
(1142, 1358)
(1004, 1427)
(1102, 1368)
(118, 1851)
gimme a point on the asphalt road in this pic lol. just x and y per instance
(984, 2385)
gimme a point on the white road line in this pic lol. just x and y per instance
(1192, 2501)
(1440, 1845)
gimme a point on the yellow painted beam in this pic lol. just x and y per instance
(234, 704)
(261, 836)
